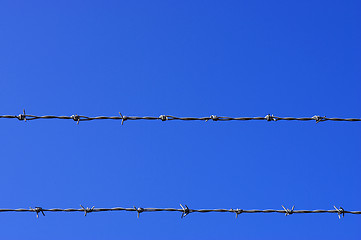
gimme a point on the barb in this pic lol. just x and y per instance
(163, 118)
(21, 117)
(37, 210)
(76, 118)
(270, 117)
(237, 211)
(139, 210)
(287, 211)
(340, 211)
(184, 210)
(87, 210)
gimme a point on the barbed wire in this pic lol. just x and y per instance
(122, 118)
(184, 210)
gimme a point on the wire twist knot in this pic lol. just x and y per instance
(186, 210)
(340, 211)
(270, 117)
(213, 117)
(163, 117)
(22, 116)
(86, 210)
(237, 211)
(319, 118)
(139, 210)
(38, 210)
(288, 211)
(123, 118)
(76, 118)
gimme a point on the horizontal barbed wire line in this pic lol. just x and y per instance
(184, 210)
(268, 117)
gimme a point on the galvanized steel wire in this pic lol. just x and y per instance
(122, 118)
(184, 210)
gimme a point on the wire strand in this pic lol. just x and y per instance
(122, 118)
(184, 210)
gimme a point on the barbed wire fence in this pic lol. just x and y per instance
(184, 210)
(122, 118)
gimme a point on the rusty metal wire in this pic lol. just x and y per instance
(122, 118)
(184, 210)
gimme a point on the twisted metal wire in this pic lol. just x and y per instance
(184, 210)
(268, 117)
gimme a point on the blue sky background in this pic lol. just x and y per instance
(185, 58)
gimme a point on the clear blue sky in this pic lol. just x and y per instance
(186, 58)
